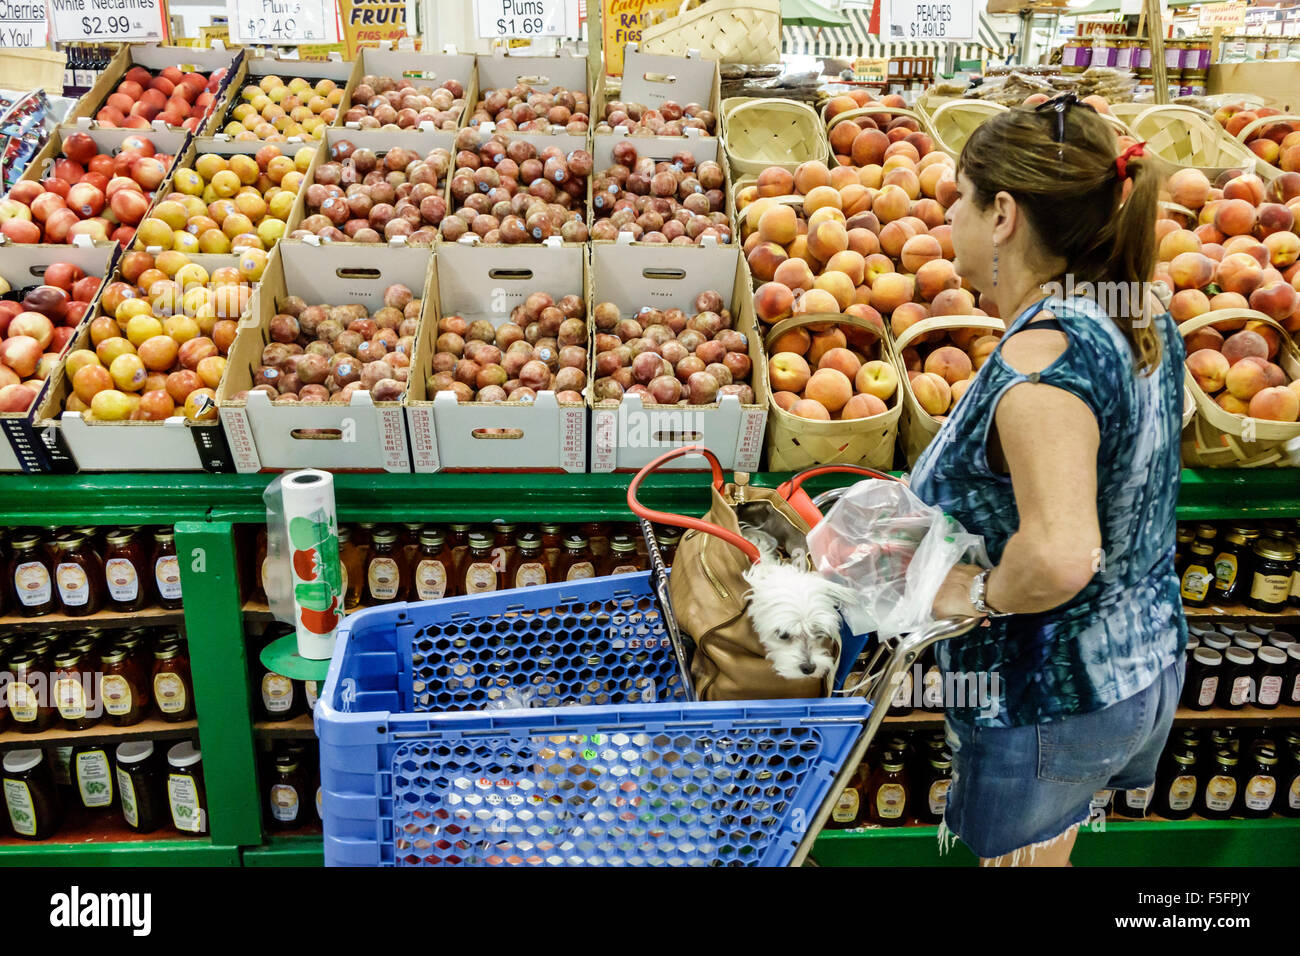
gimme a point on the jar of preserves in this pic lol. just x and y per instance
(527, 567)
(71, 678)
(1251, 642)
(385, 575)
(622, 557)
(1288, 801)
(173, 687)
(140, 786)
(1291, 677)
(849, 807)
(1259, 783)
(124, 695)
(410, 541)
(458, 542)
(576, 560)
(186, 795)
(1182, 548)
(92, 776)
(887, 791)
(1229, 582)
(477, 575)
(278, 696)
(435, 567)
(935, 798)
(1202, 684)
(1134, 803)
(139, 658)
(1176, 787)
(1219, 795)
(552, 543)
(1207, 532)
(597, 535)
(1198, 575)
(311, 692)
(1270, 583)
(1280, 639)
(1270, 671)
(669, 539)
(1237, 688)
(503, 545)
(287, 794)
(31, 577)
(125, 579)
(166, 569)
(29, 704)
(352, 570)
(30, 799)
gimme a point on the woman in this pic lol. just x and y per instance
(1064, 455)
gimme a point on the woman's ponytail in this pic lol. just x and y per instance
(1133, 259)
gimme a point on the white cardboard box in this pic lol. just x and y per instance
(422, 69)
(630, 436)
(652, 79)
(362, 436)
(487, 282)
(254, 67)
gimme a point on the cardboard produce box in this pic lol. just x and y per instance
(651, 80)
(23, 266)
(487, 282)
(364, 435)
(422, 69)
(176, 444)
(154, 58)
(629, 436)
(254, 67)
(499, 71)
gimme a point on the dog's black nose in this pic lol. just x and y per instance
(807, 668)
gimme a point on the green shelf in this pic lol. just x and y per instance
(180, 852)
(306, 850)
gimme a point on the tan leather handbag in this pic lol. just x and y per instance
(707, 593)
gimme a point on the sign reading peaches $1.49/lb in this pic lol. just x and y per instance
(930, 20)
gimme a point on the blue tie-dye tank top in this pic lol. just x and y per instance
(1116, 636)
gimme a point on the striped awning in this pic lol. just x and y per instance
(855, 40)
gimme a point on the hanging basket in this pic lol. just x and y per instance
(1179, 137)
(758, 132)
(1218, 438)
(795, 443)
(953, 122)
(873, 110)
(729, 31)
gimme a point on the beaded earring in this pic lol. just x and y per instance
(995, 262)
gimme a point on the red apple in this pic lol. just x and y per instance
(85, 200)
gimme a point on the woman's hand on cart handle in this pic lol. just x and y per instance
(953, 597)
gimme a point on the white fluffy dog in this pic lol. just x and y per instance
(794, 610)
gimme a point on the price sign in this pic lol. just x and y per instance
(1223, 16)
(74, 21)
(499, 19)
(23, 24)
(282, 22)
(924, 20)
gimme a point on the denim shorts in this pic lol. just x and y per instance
(1016, 786)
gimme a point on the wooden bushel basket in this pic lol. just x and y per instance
(918, 426)
(874, 109)
(1266, 169)
(758, 132)
(729, 31)
(953, 122)
(1220, 439)
(1179, 137)
(795, 443)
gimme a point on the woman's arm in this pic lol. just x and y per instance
(1049, 440)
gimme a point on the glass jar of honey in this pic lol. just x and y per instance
(576, 560)
(125, 577)
(173, 687)
(352, 568)
(385, 573)
(477, 575)
(435, 567)
(166, 569)
(622, 557)
(527, 566)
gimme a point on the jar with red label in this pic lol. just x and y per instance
(477, 575)
(385, 569)
(126, 577)
(527, 567)
(173, 687)
(166, 569)
(435, 567)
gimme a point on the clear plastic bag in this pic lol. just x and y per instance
(894, 550)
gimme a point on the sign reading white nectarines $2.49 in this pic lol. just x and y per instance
(931, 20)
(281, 22)
(72, 21)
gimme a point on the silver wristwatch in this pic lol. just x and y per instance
(978, 589)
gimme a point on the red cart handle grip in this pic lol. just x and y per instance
(682, 521)
(792, 490)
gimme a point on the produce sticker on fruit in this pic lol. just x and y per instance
(73, 21)
(23, 24)
(923, 20)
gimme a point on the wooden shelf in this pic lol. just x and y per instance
(149, 617)
(102, 732)
(257, 611)
(298, 727)
(81, 827)
(1237, 610)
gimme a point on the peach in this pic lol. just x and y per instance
(953, 302)
(862, 406)
(944, 235)
(808, 176)
(891, 203)
(930, 212)
(1191, 270)
(876, 378)
(788, 372)
(1189, 187)
(934, 277)
(1274, 217)
(821, 197)
(906, 316)
(878, 264)
(1208, 235)
(949, 363)
(905, 179)
(1238, 272)
(842, 288)
(785, 400)
(854, 197)
(1269, 334)
(827, 239)
(1277, 300)
(775, 181)
(1241, 344)
(1249, 245)
(778, 224)
(826, 214)
(1209, 368)
(1247, 188)
(891, 290)
(763, 260)
(814, 301)
(1245, 379)
(1206, 338)
(932, 393)
(850, 263)
(794, 274)
(982, 348)
(919, 250)
(863, 241)
(1276, 404)
(754, 212)
(823, 342)
(810, 408)
(959, 388)
(841, 138)
(1176, 243)
(1283, 248)
(792, 340)
(869, 147)
(1229, 300)
(893, 236)
(1188, 304)
(773, 301)
(1234, 217)
(841, 359)
(830, 388)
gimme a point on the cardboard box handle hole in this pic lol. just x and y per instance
(497, 433)
(347, 273)
(317, 434)
(664, 273)
(510, 275)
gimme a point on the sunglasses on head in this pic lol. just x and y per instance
(1059, 104)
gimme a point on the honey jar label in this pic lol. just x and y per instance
(311, 690)
(169, 691)
(117, 695)
(383, 576)
(1270, 588)
(167, 572)
(126, 789)
(1196, 585)
(846, 807)
(430, 580)
(94, 779)
(1270, 690)
(1243, 691)
(939, 796)
(580, 570)
(530, 574)
(1220, 792)
(1225, 570)
(277, 693)
(74, 586)
(32, 584)
(1293, 797)
(284, 803)
(890, 800)
(183, 797)
(1209, 687)
(1295, 584)
(1138, 799)
(625, 569)
(479, 577)
(22, 703)
(22, 811)
(1260, 792)
(123, 582)
(70, 697)
(1182, 791)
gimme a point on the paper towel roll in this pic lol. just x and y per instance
(304, 580)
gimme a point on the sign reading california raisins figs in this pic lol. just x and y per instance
(371, 23)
